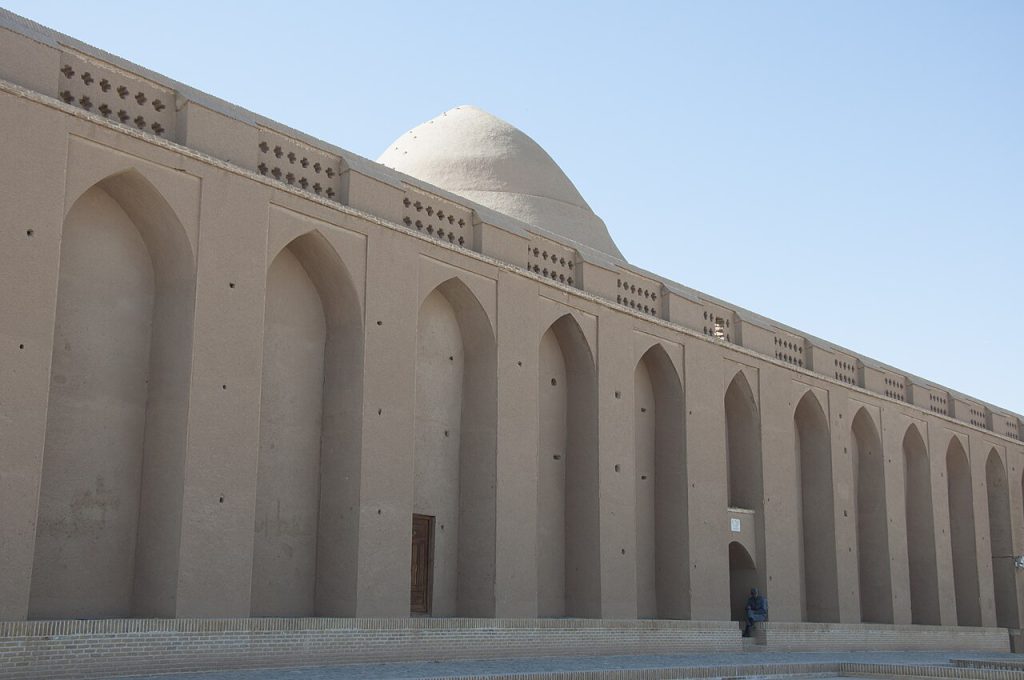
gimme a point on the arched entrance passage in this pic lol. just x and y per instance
(872, 532)
(113, 458)
(924, 584)
(568, 540)
(1003, 578)
(962, 536)
(455, 461)
(661, 492)
(742, 577)
(817, 516)
(303, 545)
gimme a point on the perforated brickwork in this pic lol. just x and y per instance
(116, 95)
(438, 218)
(639, 294)
(552, 261)
(291, 162)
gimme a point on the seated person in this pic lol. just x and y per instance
(757, 610)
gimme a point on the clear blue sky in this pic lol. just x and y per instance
(855, 170)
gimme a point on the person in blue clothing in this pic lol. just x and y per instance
(757, 610)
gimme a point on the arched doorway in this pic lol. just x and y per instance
(742, 577)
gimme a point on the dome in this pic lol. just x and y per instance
(473, 154)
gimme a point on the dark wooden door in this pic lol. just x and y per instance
(422, 561)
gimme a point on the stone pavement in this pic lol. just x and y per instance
(505, 667)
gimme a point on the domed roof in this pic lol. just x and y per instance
(469, 152)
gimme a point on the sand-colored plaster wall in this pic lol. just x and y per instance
(92, 462)
(214, 233)
(288, 474)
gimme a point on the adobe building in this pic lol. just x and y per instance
(246, 373)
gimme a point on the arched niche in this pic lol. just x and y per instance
(742, 577)
(455, 463)
(817, 511)
(961, 534)
(661, 490)
(924, 586)
(568, 563)
(743, 456)
(872, 525)
(308, 467)
(743, 445)
(113, 461)
(1004, 582)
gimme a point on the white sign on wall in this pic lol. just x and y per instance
(734, 524)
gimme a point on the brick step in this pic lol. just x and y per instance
(991, 664)
(951, 672)
(759, 671)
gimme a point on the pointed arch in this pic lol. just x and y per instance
(455, 464)
(1004, 582)
(742, 577)
(568, 565)
(960, 489)
(309, 435)
(743, 445)
(872, 525)
(817, 511)
(920, 522)
(744, 461)
(110, 498)
(661, 488)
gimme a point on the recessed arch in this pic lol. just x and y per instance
(1004, 582)
(568, 564)
(872, 530)
(742, 577)
(743, 445)
(661, 488)
(817, 511)
(309, 435)
(113, 462)
(962, 536)
(744, 460)
(924, 583)
(455, 464)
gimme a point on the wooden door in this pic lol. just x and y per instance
(422, 563)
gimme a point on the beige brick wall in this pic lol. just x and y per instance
(799, 637)
(95, 649)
